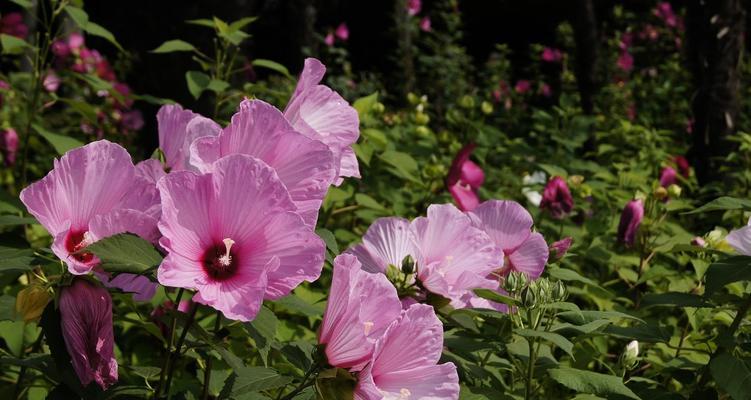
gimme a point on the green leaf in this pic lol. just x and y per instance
(363, 105)
(171, 46)
(7, 308)
(296, 305)
(492, 295)
(125, 253)
(272, 65)
(12, 220)
(217, 86)
(723, 203)
(674, 299)
(569, 275)
(197, 82)
(62, 144)
(12, 44)
(202, 22)
(81, 18)
(732, 375)
(329, 239)
(404, 166)
(729, 270)
(591, 382)
(335, 383)
(242, 23)
(368, 202)
(587, 316)
(13, 259)
(252, 379)
(263, 331)
(551, 337)
(23, 3)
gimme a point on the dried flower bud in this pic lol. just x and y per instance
(31, 301)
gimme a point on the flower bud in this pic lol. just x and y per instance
(486, 107)
(556, 198)
(529, 297)
(630, 356)
(421, 118)
(378, 108)
(575, 180)
(408, 265)
(674, 191)
(31, 301)
(412, 98)
(631, 219)
(510, 282)
(559, 291)
(698, 241)
(467, 101)
(660, 193)
(560, 248)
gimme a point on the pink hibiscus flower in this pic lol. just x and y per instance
(178, 128)
(464, 179)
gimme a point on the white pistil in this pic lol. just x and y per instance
(404, 393)
(226, 259)
(368, 326)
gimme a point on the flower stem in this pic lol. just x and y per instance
(209, 360)
(168, 356)
(304, 384)
(176, 350)
(531, 360)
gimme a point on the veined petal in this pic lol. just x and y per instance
(531, 256)
(506, 222)
(412, 341)
(430, 382)
(387, 242)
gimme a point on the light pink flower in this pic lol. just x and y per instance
(510, 226)
(178, 128)
(631, 219)
(86, 322)
(51, 82)
(414, 7)
(77, 199)
(329, 39)
(425, 24)
(455, 257)
(9, 145)
(76, 41)
(665, 11)
(304, 165)
(320, 113)
(405, 361)
(233, 236)
(740, 239)
(342, 32)
(387, 242)
(464, 179)
(560, 248)
(361, 306)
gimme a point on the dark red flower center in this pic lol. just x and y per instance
(220, 261)
(75, 241)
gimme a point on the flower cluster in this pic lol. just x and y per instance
(233, 208)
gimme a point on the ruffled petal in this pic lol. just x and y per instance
(387, 242)
(740, 240)
(431, 382)
(531, 256)
(506, 222)
(177, 130)
(414, 340)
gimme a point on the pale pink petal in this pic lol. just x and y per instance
(176, 136)
(387, 242)
(312, 74)
(740, 240)
(366, 388)
(349, 166)
(430, 382)
(530, 257)
(506, 222)
(412, 341)
(150, 169)
(178, 271)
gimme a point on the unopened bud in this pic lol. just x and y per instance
(510, 283)
(559, 291)
(529, 297)
(660, 193)
(467, 101)
(674, 191)
(630, 356)
(486, 107)
(412, 98)
(408, 265)
(378, 108)
(31, 301)
(421, 118)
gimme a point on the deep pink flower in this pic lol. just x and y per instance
(60, 48)
(12, 24)
(550, 54)
(405, 365)
(342, 32)
(560, 248)
(9, 145)
(699, 241)
(91, 192)
(668, 176)
(233, 236)
(522, 86)
(425, 24)
(683, 165)
(631, 218)
(414, 7)
(51, 81)
(510, 226)
(360, 307)
(740, 239)
(329, 39)
(86, 322)
(178, 128)
(464, 179)
(625, 61)
(320, 113)
(627, 39)
(665, 11)
(304, 165)
(556, 198)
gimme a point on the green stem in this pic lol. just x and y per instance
(531, 360)
(176, 351)
(304, 384)
(168, 356)
(209, 360)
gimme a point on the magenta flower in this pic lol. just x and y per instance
(342, 32)
(405, 365)
(625, 61)
(9, 145)
(12, 24)
(132, 120)
(84, 192)
(510, 226)
(464, 179)
(320, 113)
(329, 39)
(76, 41)
(560, 248)
(60, 48)
(522, 86)
(233, 236)
(550, 54)
(86, 322)
(414, 7)
(361, 306)
(668, 176)
(455, 257)
(305, 166)
(631, 218)
(665, 11)
(425, 24)
(178, 128)
(556, 198)
(740, 239)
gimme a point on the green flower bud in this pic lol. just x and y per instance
(412, 98)
(378, 108)
(421, 118)
(486, 107)
(529, 297)
(559, 291)
(467, 101)
(408, 265)
(510, 283)
(674, 191)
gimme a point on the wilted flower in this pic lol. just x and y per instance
(740, 239)
(321, 114)
(9, 145)
(233, 255)
(631, 218)
(305, 166)
(425, 25)
(178, 128)
(91, 193)
(404, 364)
(414, 7)
(464, 179)
(556, 198)
(668, 177)
(12, 24)
(342, 32)
(86, 322)
(550, 54)
(560, 248)
(360, 307)
(522, 86)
